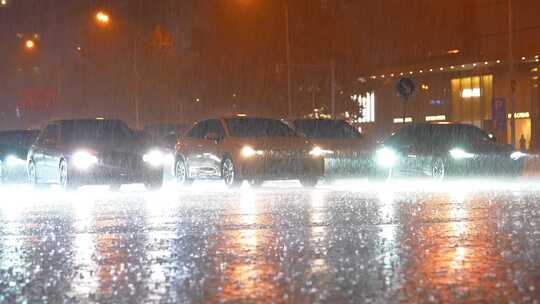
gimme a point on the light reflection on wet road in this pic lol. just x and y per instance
(346, 243)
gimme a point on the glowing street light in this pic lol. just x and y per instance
(102, 18)
(30, 44)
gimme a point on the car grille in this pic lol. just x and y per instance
(287, 154)
(130, 161)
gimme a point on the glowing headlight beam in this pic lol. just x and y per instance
(318, 151)
(517, 155)
(13, 161)
(83, 160)
(155, 158)
(248, 152)
(457, 153)
(385, 158)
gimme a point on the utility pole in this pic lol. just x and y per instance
(511, 74)
(288, 50)
(333, 88)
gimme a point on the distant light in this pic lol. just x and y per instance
(436, 118)
(486, 63)
(431, 70)
(79, 48)
(498, 61)
(535, 78)
(452, 67)
(411, 72)
(401, 74)
(391, 75)
(462, 65)
(3, 2)
(474, 64)
(241, 115)
(469, 93)
(421, 71)
(100, 118)
(441, 68)
(523, 58)
(382, 76)
(534, 70)
(424, 87)
(453, 51)
(536, 56)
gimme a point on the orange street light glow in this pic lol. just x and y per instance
(454, 51)
(102, 18)
(30, 44)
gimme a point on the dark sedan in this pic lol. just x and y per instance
(14, 147)
(80, 152)
(441, 150)
(344, 149)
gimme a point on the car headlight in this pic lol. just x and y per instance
(458, 153)
(83, 160)
(385, 158)
(155, 158)
(517, 155)
(318, 151)
(12, 161)
(248, 152)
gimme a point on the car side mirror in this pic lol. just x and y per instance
(213, 136)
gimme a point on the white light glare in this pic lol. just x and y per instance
(385, 158)
(460, 154)
(155, 158)
(83, 160)
(517, 155)
(248, 152)
(13, 161)
(318, 151)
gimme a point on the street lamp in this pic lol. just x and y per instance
(102, 18)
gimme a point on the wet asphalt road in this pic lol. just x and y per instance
(353, 242)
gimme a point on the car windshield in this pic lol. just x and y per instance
(259, 127)
(95, 130)
(18, 138)
(326, 129)
(434, 134)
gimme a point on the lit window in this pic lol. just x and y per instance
(436, 118)
(367, 107)
(400, 120)
(469, 93)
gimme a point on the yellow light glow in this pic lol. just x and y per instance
(30, 44)
(102, 17)
(453, 51)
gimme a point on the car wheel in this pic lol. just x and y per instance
(228, 172)
(256, 183)
(33, 175)
(66, 181)
(3, 172)
(309, 181)
(438, 168)
(181, 174)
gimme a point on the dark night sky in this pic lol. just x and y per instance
(225, 47)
